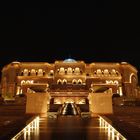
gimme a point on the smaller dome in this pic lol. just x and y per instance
(123, 62)
(15, 62)
(69, 60)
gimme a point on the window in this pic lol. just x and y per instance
(40, 72)
(62, 70)
(59, 81)
(69, 71)
(79, 81)
(23, 82)
(116, 82)
(106, 72)
(74, 81)
(25, 72)
(99, 72)
(113, 72)
(77, 70)
(51, 72)
(64, 81)
(33, 72)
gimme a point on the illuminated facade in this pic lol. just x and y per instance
(68, 80)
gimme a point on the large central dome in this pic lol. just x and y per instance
(69, 60)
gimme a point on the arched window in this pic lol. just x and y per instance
(79, 81)
(106, 72)
(113, 72)
(59, 81)
(99, 72)
(40, 72)
(69, 71)
(111, 82)
(62, 70)
(74, 81)
(64, 81)
(28, 82)
(23, 82)
(25, 72)
(77, 70)
(116, 82)
(33, 72)
(51, 72)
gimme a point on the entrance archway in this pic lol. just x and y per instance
(69, 100)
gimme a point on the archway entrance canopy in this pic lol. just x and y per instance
(39, 87)
(97, 89)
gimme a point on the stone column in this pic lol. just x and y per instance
(128, 89)
(11, 91)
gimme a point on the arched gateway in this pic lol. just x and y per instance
(68, 81)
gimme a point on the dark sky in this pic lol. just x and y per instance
(89, 31)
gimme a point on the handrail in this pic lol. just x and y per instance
(31, 124)
(112, 132)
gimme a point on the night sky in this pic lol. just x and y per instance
(93, 32)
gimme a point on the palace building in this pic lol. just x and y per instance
(68, 80)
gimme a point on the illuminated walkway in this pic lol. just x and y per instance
(125, 119)
(71, 128)
(67, 128)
